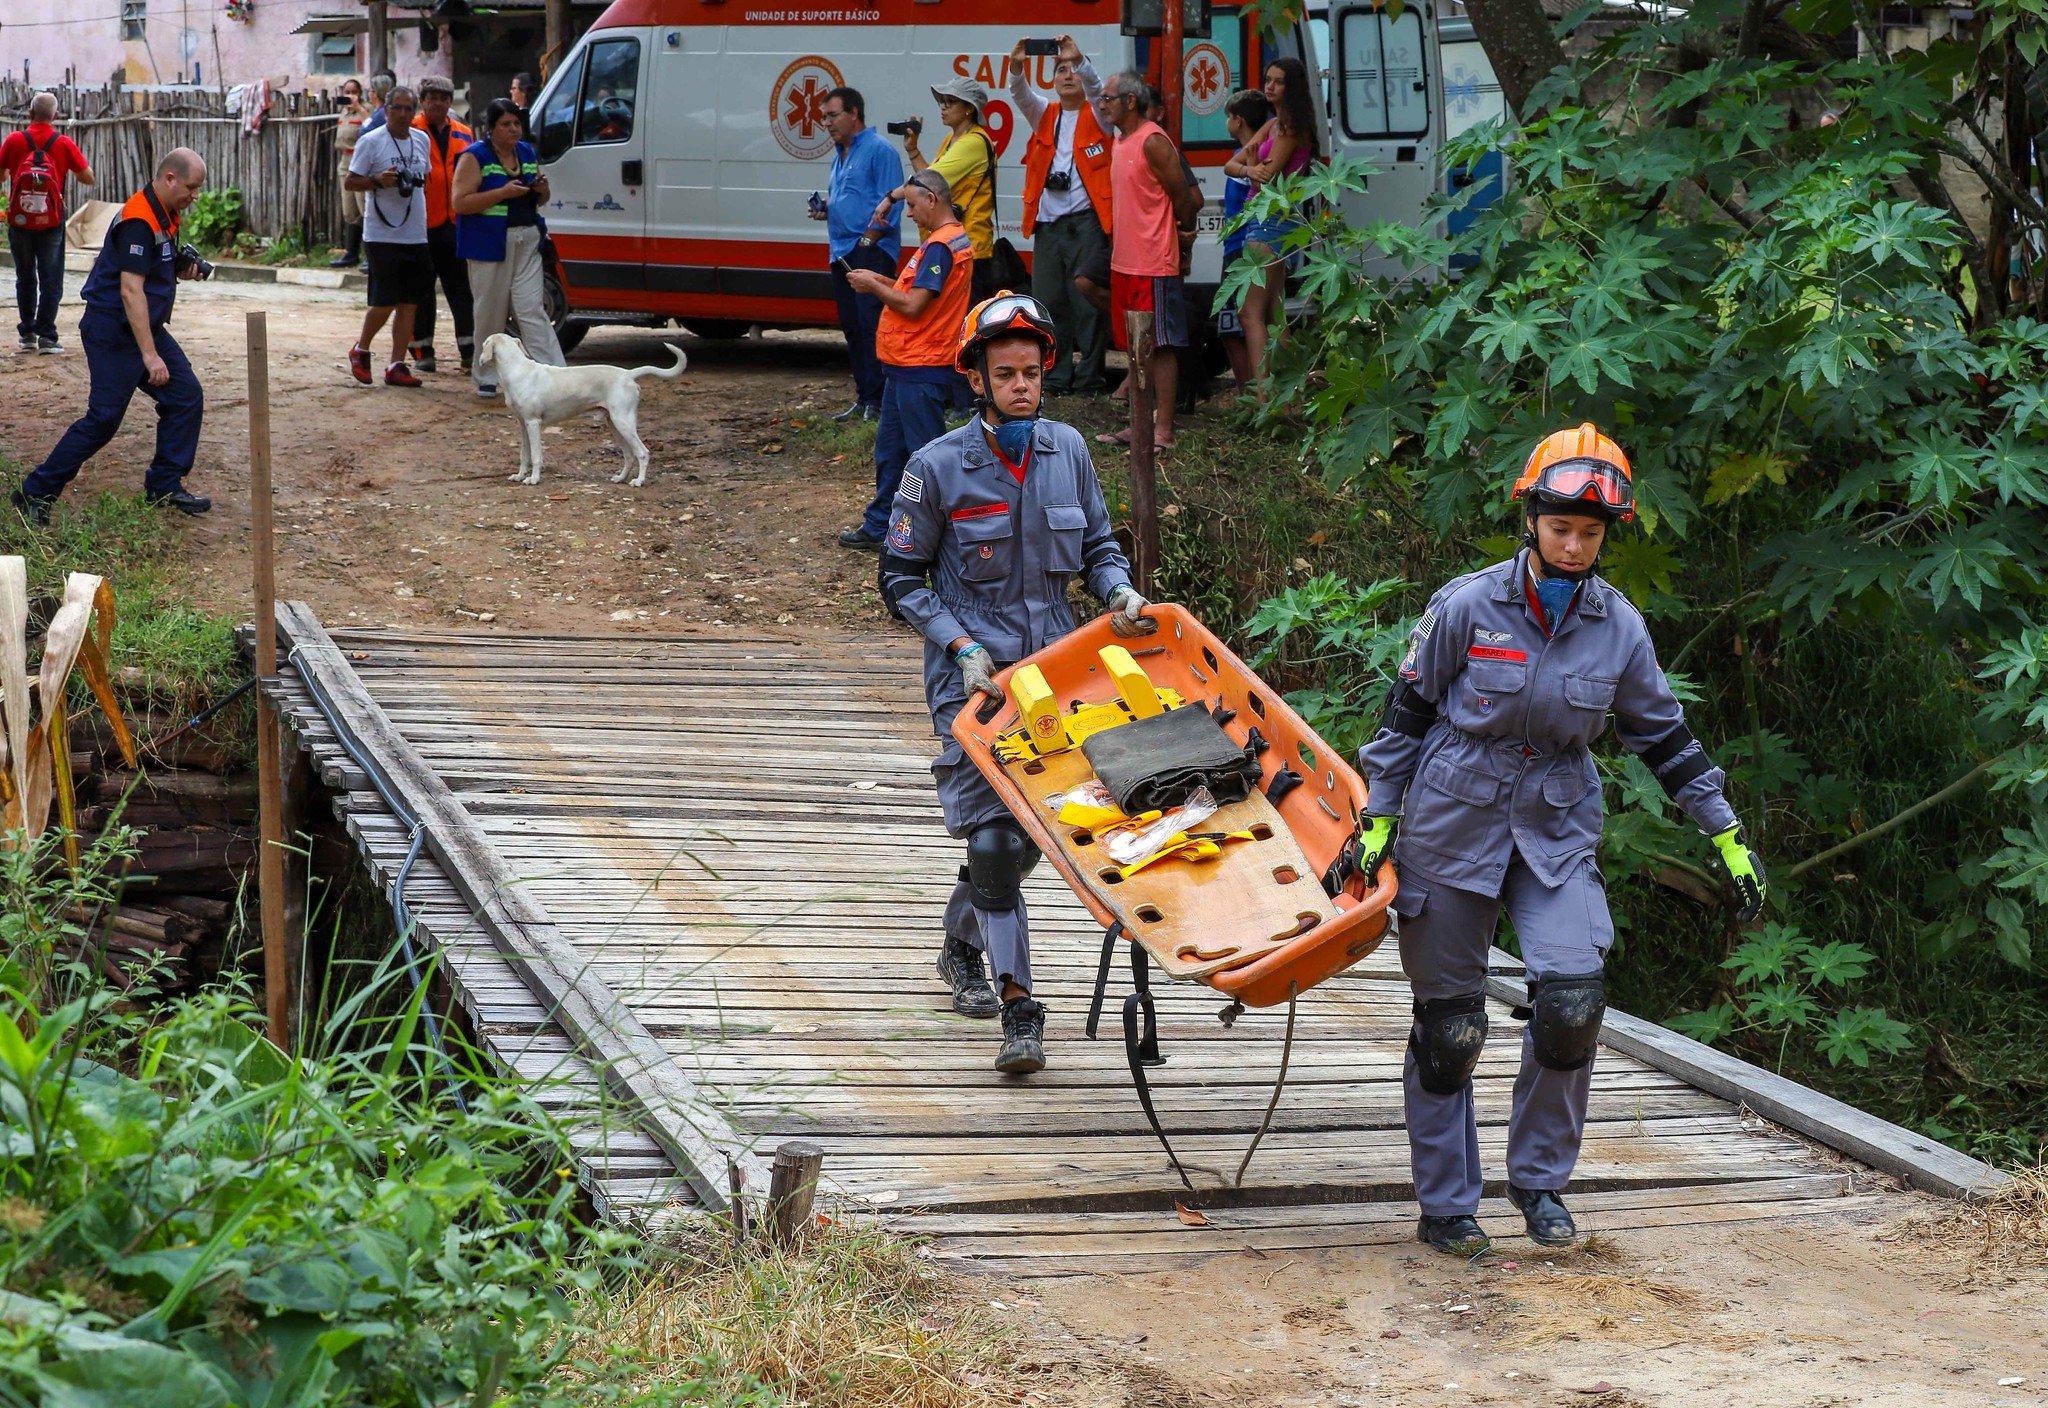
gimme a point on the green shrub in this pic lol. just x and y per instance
(213, 217)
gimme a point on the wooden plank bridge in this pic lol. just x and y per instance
(692, 889)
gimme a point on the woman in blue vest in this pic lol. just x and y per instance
(496, 193)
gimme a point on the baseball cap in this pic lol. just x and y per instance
(965, 89)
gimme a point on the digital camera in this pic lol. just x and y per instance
(1059, 180)
(407, 182)
(189, 260)
(908, 127)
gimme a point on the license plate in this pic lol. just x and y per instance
(1209, 222)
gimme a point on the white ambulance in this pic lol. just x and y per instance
(682, 138)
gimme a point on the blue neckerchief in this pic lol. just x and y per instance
(1554, 595)
(1013, 438)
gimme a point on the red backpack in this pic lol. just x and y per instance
(36, 199)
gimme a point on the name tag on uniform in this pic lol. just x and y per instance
(1093, 149)
(1495, 652)
(979, 511)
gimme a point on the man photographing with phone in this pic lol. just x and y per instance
(865, 169)
(1066, 202)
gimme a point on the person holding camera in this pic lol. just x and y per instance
(1066, 203)
(967, 159)
(390, 168)
(128, 347)
(864, 168)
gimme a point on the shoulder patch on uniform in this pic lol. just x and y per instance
(913, 488)
(899, 535)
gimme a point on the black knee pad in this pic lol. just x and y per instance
(1447, 1037)
(999, 856)
(1565, 1011)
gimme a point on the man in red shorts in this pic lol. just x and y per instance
(1153, 203)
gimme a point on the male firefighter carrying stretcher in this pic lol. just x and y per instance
(990, 522)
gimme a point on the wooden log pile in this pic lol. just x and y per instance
(194, 814)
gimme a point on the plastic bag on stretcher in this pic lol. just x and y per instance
(1319, 915)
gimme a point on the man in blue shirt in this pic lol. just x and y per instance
(865, 170)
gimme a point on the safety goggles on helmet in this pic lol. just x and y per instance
(1593, 485)
(1004, 314)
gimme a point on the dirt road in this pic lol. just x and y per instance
(394, 506)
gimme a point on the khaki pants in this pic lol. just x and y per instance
(513, 289)
(351, 205)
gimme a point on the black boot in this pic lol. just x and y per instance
(960, 964)
(1459, 1236)
(352, 247)
(1544, 1212)
(36, 511)
(1023, 1049)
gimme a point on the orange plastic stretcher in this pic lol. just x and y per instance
(1256, 924)
(1264, 921)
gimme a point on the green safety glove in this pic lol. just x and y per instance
(1745, 870)
(1375, 839)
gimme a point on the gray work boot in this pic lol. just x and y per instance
(960, 964)
(1549, 1223)
(1459, 1236)
(1023, 1049)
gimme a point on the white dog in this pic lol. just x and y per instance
(541, 395)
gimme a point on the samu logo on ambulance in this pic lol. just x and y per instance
(796, 107)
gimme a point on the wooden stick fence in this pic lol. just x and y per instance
(288, 173)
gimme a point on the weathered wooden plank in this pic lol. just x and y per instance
(631, 1060)
(1913, 1159)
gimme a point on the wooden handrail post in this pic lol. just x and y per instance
(1144, 501)
(269, 763)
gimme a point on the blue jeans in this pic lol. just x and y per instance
(858, 314)
(117, 374)
(38, 279)
(913, 415)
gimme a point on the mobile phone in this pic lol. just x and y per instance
(841, 265)
(1042, 48)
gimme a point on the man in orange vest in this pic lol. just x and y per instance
(447, 139)
(916, 341)
(1067, 207)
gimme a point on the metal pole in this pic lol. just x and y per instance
(269, 763)
(1172, 65)
(1144, 503)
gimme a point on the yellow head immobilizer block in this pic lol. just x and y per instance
(1131, 682)
(1039, 710)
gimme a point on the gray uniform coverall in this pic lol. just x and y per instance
(1499, 802)
(972, 552)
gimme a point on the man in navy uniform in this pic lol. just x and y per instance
(128, 347)
(988, 525)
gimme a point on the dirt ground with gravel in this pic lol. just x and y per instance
(396, 506)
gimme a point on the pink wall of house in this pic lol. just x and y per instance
(184, 37)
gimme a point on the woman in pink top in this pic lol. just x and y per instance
(1283, 147)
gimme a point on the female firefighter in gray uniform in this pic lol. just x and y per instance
(1482, 756)
(991, 521)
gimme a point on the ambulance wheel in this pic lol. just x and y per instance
(717, 329)
(569, 332)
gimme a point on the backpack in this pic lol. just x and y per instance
(35, 201)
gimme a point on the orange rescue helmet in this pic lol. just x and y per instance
(998, 317)
(1578, 471)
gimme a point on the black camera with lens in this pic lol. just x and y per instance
(189, 261)
(1059, 180)
(407, 182)
(908, 127)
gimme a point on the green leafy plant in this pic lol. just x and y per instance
(1780, 985)
(213, 217)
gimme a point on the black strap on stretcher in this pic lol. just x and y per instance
(1141, 1045)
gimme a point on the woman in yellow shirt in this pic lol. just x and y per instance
(967, 160)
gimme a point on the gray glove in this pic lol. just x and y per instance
(978, 671)
(1126, 603)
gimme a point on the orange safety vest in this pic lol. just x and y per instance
(933, 340)
(441, 167)
(1092, 148)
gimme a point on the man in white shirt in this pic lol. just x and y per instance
(390, 168)
(1067, 212)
